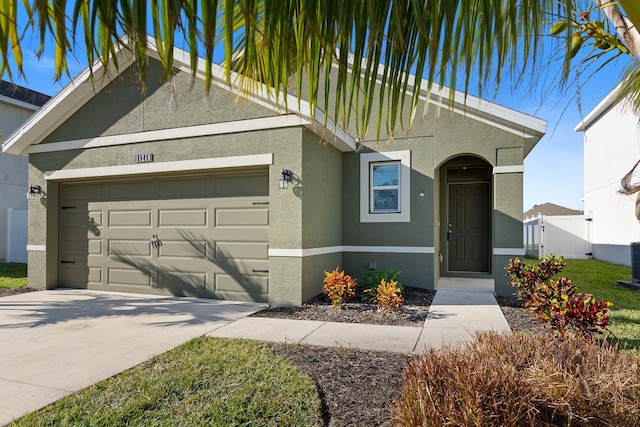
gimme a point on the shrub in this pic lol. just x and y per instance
(581, 314)
(389, 295)
(520, 380)
(339, 287)
(557, 302)
(371, 279)
(527, 278)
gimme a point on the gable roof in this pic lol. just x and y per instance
(550, 209)
(12, 93)
(81, 89)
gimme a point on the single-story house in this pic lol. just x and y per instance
(175, 192)
(17, 104)
(611, 149)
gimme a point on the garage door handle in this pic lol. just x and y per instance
(260, 271)
(260, 203)
(67, 262)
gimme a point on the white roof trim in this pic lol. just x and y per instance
(18, 103)
(534, 124)
(224, 128)
(606, 103)
(440, 97)
(150, 168)
(77, 93)
(81, 89)
(49, 117)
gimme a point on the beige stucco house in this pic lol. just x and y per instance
(17, 104)
(178, 193)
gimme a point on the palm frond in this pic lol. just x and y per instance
(363, 62)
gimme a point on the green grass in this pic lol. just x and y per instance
(206, 381)
(13, 275)
(600, 279)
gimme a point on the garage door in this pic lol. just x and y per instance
(204, 236)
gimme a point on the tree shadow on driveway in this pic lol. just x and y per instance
(65, 305)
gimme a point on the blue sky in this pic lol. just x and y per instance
(553, 170)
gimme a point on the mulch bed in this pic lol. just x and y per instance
(360, 387)
(412, 313)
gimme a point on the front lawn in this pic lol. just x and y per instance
(13, 275)
(600, 279)
(212, 382)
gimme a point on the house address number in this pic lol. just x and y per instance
(144, 158)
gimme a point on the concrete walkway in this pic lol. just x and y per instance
(454, 317)
(54, 343)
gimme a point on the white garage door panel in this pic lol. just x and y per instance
(129, 191)
(181, 281)
(231, 284)
(242, 250)
(182, 218)
(212, 240)
(122, 276)
(127, 218)
(248, 185)
(182, 249)
(183, 188)
(131, 248)
(231, 217)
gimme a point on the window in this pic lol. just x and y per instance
(385, 186)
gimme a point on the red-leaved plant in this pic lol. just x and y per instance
(557, 302)
(339, 287)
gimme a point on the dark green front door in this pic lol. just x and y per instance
(469, 227)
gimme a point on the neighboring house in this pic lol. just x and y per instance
(551, 229)
(178, 193)
(17, 104)
(549, 209)
(611, 148)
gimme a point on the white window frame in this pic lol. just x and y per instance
(404, 193)
(373, 188)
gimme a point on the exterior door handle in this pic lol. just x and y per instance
(155, 241)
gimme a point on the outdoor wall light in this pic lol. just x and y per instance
(33, 192)
(285, 178)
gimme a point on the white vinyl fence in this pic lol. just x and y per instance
(16, 236)
(562, 235)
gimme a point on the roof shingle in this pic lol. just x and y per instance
(550, 209)
(19, 93)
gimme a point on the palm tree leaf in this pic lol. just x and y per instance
(353, 58)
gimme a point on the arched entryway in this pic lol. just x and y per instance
(466, 217)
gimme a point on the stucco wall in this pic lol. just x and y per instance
(435, 140)
(119, 109)
(611, 148)
(321, 207)
(163, 106)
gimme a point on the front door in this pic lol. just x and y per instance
(469, 227)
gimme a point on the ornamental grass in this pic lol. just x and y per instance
(521, 380)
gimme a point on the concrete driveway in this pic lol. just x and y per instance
(54, 343)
